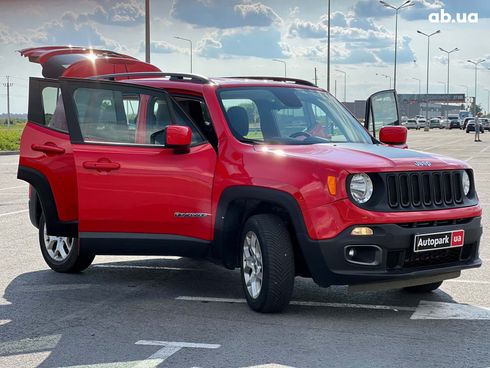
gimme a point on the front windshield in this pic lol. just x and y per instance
(284, 115)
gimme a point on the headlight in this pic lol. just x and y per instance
(361, 188)
(466, 183)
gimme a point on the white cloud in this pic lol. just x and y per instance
(232, 14)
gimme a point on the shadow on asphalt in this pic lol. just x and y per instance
(78, 316)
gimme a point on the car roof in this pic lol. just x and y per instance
(188, 83)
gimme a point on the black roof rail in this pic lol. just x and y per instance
(278, 79)
(183, 77)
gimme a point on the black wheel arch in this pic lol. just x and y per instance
(42, 201)
(237, 204)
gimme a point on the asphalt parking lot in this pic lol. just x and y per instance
(176, 312)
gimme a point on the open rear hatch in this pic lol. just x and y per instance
(79, 62)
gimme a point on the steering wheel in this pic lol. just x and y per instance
(300, 134)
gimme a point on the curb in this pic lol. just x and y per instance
(8, 153)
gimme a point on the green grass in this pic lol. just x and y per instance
(10, 136)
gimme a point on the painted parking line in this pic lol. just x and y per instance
(480, 282)
(445, 311)
(16, 187)
(304, 303)
(168, 348)
(135, 267)
(13, 213)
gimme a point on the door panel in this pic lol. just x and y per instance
(46, 148)
(125, 184)
(145, 189)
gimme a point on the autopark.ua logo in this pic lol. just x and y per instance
(443, 17)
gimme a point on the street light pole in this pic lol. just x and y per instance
(386, 76)
(467, 93)
(475, 63)
(418, 80)
(345, 83)
(428, 62)
(328, 47)
(285, 66)
(448, 59)
(396, 9)
(190, 43)
(147, 31)
(447, 102)
(8, 84)
(488, 100)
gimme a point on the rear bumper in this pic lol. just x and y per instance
(328, 264)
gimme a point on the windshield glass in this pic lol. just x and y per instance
(283, 115)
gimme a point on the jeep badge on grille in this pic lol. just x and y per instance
(423, 163)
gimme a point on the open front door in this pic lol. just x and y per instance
(135, 196)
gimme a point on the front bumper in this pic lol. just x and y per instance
(328, 264)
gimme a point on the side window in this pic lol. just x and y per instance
(122, 114)
(244, 118)
(53, 109)
(164, 112)
(198, 111)
(102, 115)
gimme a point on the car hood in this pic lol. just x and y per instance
(356, 157)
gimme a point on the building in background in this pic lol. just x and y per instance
(411, 105)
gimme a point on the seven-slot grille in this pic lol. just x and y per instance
(426, 189)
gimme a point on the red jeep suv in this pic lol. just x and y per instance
(270, 175)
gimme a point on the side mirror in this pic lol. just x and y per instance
(394, 136)
(177, 137)
(381, 110)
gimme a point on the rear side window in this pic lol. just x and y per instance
(46, 105)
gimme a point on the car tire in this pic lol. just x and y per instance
(62, 254)
(266, 263)
(426, 288)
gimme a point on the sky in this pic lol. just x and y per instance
(241, 37)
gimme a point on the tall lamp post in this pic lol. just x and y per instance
(328, 47)
(345, 83)
(396, 9)
(386, 76)
(285, 66)
(475, 63)
(147, 31)
(467, 93)
(448, 59)
(418, 96)
(445, 89)
(428, 62)
(190, 44)
(488, 100)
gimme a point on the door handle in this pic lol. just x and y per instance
(48, 148)
(101, 165)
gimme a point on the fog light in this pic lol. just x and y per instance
(366, 255)
(362, 231)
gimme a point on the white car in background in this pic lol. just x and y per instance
(411, 124)
(421, 123)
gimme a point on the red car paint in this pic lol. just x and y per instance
(112, 188)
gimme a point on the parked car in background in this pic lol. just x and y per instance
(485, 122)
(421, 123)
(435, 123)
(466, 120)
(411, 124)
(453, 122)
(470, 126)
